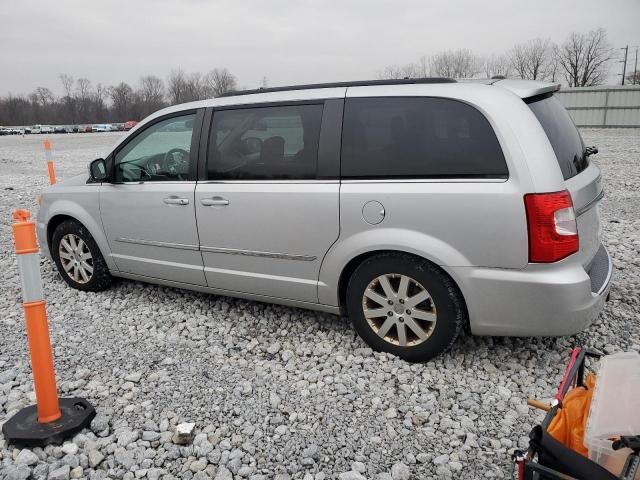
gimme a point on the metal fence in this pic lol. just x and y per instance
(603, 107)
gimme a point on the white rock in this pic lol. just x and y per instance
(184, 433)
(26, 457)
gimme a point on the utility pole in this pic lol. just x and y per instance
(635, 68)
(624, 68)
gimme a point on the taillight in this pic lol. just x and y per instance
(553, 232)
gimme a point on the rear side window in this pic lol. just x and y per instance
(418, 138)
(563, 135)
(266, 143)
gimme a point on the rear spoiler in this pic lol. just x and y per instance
(526, 89)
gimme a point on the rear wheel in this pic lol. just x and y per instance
(78, 257)
(405, 305)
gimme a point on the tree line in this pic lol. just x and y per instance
(581, 60)
(83, 102)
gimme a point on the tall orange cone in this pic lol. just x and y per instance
(49, 157)
(52, 419)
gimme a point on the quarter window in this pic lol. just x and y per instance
(418, 138)
(265, 143)
(159, 153)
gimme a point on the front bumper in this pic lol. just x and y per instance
(41, 232)
(540, 300)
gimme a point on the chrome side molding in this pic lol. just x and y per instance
(254, 253)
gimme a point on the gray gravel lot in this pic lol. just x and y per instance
(279, 392)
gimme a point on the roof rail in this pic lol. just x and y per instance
(358, 83)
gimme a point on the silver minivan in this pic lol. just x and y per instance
(415, 207)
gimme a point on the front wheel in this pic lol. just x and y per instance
(405, 305)
(78, 257)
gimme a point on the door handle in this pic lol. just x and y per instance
(176, 201)
(214, 202)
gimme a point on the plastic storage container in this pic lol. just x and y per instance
(615, 409)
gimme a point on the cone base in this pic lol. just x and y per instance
(24, 429)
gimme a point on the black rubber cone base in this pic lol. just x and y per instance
(23, 428)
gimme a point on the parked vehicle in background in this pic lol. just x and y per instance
(45, 128)
(36, 129)
(4, 131)
(27, 130)
(101, 128)
(117, 127)
(59, 129)
(130, 124)
(415, 207)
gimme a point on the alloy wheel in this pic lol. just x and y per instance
(399, 309)
(76, 258)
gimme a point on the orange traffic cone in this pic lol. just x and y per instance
(51, 420)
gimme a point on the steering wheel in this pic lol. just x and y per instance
(171, 164)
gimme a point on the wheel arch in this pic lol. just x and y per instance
(62, 211)
(354, 262)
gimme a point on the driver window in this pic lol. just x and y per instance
(265, 143)
(159, 153)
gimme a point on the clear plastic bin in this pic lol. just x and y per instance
(615, 409)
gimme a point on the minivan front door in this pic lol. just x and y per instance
(148, 211)
(265, 219)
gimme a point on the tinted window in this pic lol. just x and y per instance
(563, 135)
(418, 137)
(161, 152)
(265, 143)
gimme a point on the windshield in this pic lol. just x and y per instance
(563, 135)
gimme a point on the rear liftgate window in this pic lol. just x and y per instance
(562, 133)
(418, 138)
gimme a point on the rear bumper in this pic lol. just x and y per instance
(540, 300)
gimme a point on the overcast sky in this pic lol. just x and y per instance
(294, 41)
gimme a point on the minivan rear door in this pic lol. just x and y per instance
(582, 178)
(268, 206)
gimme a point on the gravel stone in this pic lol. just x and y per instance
(70, 448)
(95, 458)
(351, 475)
(267, 384)
(16, 472)
(399, 471)
(184, 433)
(61, 473)
(26, 457)
(223, 474)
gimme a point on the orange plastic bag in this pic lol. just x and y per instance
(569, 422)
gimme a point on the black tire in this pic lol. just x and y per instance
(445, 296)
(100, 279)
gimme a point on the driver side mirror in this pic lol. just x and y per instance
(98, 170)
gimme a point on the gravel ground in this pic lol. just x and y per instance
(278, 392)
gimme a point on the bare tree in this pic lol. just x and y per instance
(219, 81)
(83, 96)
(410, 70)
(264, 82)
(176, 84)
(151, 93)
(390, 72)
(496, 66)
(121, 97)
(583, 58)
(461, 63)
(633, 78)
(67, 84)
(195, 88)
(43, 95)
(532, 60)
